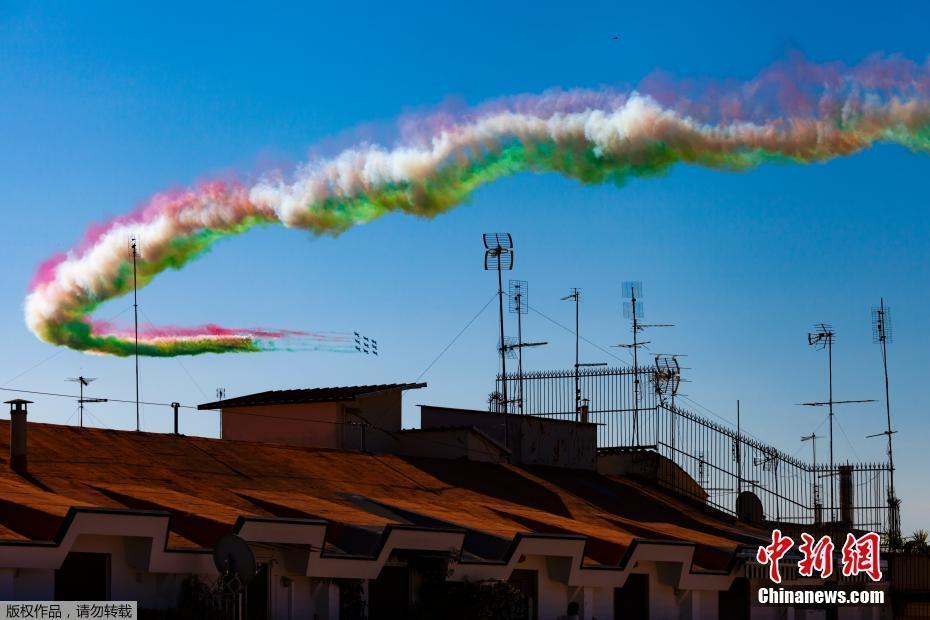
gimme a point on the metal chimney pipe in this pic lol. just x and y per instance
(18, 412)
(175, 406)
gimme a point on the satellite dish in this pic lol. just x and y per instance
(232, 554)
(749, 507)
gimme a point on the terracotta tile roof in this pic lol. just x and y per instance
(311, 395)
(207, 484)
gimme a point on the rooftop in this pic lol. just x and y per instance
(311, 395)
(207, 484)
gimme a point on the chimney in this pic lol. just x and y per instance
(18, 434)
(847, 506)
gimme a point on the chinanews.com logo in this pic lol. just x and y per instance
(859, 556)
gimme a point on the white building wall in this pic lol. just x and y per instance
(602, 604)
(33, 584)
(324, 599)
(663, 599)
(552, 595)
(704, 604)
(6, 584)
(300, 596)
(129, 579)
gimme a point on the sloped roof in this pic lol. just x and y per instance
(206, 484)
(310, 395)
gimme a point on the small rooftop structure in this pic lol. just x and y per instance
(311, 395)
(357, 417)
(529, 440)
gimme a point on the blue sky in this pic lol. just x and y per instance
(102, 107)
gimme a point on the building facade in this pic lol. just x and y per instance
(367, 529)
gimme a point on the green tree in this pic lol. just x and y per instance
(918, 541)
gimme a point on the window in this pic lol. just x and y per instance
(83, 577)
(389, 594)
(527, 582)
(734, 603)
(256, 594)
(631, 602)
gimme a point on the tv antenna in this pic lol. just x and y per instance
(519, 305)
(84, 382)
(882, 334)
(666, 378)
(813, 437)
(575, 296)
(822, 338)
(769, 461)
(134, 254)
(498, 256)
(633, 309)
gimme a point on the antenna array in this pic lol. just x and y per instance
(633, 309)
(883, 335)
(134, 255)
(822, 338)
(519, 304)
(498, 256)
(84, 382)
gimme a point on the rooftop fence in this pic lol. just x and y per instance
(725, 463)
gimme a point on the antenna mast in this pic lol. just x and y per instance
(498, 255)
(823, 337)
(82, 382)
(882, 334)
(519, 305)
(575, 296)
(134, 252)
(633, 309)
(813, 437)
(666, 380)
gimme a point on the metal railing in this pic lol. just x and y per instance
(709, 461)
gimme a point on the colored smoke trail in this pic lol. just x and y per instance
(793, 112)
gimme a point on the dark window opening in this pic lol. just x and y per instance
(256, 595)
(389, 594)
(83, 577)
(733, 604)
(351, 599)
(527, 582)
(631, 602)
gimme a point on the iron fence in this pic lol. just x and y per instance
(706, 460)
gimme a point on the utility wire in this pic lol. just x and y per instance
(842, 430)
(572, 331)
(819, 426)
(98, 419)
(194, 381)
(72, 414)
(34, 366)
(178, 360)
(56, 353)
(457, 336)
(742, 431)
(616, 357)
(73, 396)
